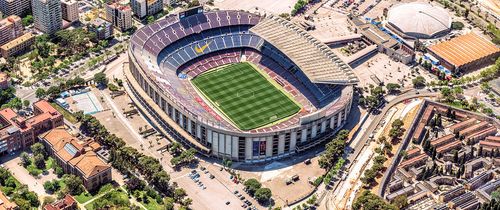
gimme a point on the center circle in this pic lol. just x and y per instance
(245, 93)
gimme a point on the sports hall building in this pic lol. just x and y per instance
(166, 56)
(466, 52)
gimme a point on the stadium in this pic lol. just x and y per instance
(236, 85)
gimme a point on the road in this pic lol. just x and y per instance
(351, 157)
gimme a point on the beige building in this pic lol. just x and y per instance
(69, 10)
(17, 46)
(77, 156)
(15, 7)
(10, 28)
(120, 15)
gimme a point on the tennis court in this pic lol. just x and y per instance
(245, 96)
(87, 102)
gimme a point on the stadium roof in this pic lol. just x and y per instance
(464, 49)
(313, 57)
(419, 19)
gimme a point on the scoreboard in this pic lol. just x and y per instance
(190, 11)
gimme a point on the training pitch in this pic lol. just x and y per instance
(245, 96)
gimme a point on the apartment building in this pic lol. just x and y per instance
(18, 46)
(102, 29)
(77, 156)
(15, 7)
(69, 10)
(17, 132)
(10, 28)
(144, 8)
(47, 15)
(120, 15)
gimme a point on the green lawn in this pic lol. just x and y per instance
(245, 96)
(117, 199)
(67, 115)
(84, 197)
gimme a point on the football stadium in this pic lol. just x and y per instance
(237, 85)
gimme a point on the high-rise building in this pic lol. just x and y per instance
(10, 28)
(120, 15)
(47, 15)
(69, 10)
(144, 8)
(15, 7)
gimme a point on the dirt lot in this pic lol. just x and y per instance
(274, 175)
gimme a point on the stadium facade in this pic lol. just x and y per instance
(166, 55)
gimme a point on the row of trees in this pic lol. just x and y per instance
(334, 150)
(255, 189)
(127, 159)
(299, 5)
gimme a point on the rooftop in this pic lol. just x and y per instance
(5, 203)
(464, 49)
(17, 41)
(78, 153)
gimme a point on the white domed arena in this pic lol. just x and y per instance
(419, 20)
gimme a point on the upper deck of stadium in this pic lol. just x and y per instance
(174, 49)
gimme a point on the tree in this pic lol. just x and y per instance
(400, 202)
(368, 200)
(25, 159)
(38, 149)
(151, 19)
(252, 185)
(418, 82)
(51, 186)
(40, 93)
(73, 184)
(26, 103)
(39, 161)
(28, 20)
(100, 78)
(179, 194)
(457, 25)
(393, 87)
(263, 195)
(53, 91)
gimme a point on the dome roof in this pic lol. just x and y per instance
(419, 19)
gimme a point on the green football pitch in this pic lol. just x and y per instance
(245, 96)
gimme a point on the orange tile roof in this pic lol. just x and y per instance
(5, 203)
(489, 144)
(86, 161)
(46, 107)
(493, 138)
(464, 49)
